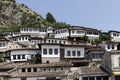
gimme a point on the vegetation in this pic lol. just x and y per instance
(85, 39)
(50, 18)
(1, 58)
(36, 59)
(104, 37)
(16, 16)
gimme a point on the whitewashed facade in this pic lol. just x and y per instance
(22, 54)
(115, 36)
(74, 52)
(61, 33)
(50, 53)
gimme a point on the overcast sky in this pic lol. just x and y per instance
(100, 14)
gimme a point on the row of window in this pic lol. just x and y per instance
(35, 69)
(94, 33)
(116, 34)
(49, 41)
(73, 53)
(51, 51)
(77, 32)
(20, 38)
(2, 44)
(112, 46)
(35, 29)
(96, 55)
(18, 56)
(60, 31)
(96, 78)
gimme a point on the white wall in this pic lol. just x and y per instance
(115, 38)
(27, 54)
(77, 34)
(106, 47)
(50, 47)
(61, 35)
(81, 49)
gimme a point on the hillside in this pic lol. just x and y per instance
(14, 15)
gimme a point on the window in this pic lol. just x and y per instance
(55, 69)
(91, 78)
(14, 56)
(85, 78)
(78, 53)
(73, 32)
(0, 44)
(23, 56)
(80, 32)
(73, 53)
(23, 69)
(45, 51)
(29, 69)
(50, 51)
(23, 78)
(3, 44)
(22, 38)
(55, 41)
(64, 42)
(19, 38)
(60, 42)
(119, 61)
(18, 56)
(68, 53)
(56, 51)
(44, 69)
(108, 46)
(32, 56)
(48, 41)
(49, 69)
(34, 69)
(113, 46)
(52, 41)
(61, 68)
(97, 55)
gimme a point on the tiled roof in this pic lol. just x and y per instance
(95, 49)
(113, 31)
(25, 49)
(4, 74)
(41, 74)
(10, 65)
(60, 64)
(93, 70)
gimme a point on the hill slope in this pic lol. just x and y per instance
(13, 15)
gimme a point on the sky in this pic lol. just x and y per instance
(103, 15)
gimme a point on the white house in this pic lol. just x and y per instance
(61, 33)
(50, 52)
(23, 54)
(115, 35)
(110, 45)
(76, 32)
(35, 32)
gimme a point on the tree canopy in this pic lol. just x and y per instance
(50, 18)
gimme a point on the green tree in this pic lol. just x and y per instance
(1, 58)
(104, 37)
(97, 41)
(85, 38)
(50, 18)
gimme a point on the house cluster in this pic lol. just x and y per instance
(59, 54)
